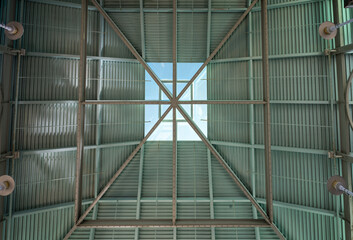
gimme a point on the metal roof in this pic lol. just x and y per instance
(305, 123)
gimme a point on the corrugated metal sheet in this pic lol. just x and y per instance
(158, 37)
(192, 32)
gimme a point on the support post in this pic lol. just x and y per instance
(267, 113)
(210, 187)
(139, 191)
(81, 111)
(98, 118)
(343, 120)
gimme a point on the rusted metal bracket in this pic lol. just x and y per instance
(12, 51)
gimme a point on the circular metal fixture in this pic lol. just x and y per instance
(327, 30)
(334, 182)
(14, 30)
(7, 185)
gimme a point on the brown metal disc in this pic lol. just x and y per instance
(331, 184)
(10, 185)
(324, 34)
(17, 33)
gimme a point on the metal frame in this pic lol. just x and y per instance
(174, 102)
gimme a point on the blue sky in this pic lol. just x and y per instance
(185, 71)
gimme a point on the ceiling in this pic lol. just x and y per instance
(304, 121)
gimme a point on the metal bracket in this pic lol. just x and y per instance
(333, 155)
(9, 155)
(12, 51)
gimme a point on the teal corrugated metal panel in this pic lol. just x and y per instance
(104, 234)
(238, 43)
(192, 32)
(292, 29)
(223, 184)
(194, 233)
(159, 37)
(45, 126)
(301, 126)
(239, 160)
(129, 24)
(121, 123)
(235, 233)
(156, 210)
(302, 225)
(347, 29)
(221, 23)
(297, 79)
(194, 210)
(44, 226)
(233, 210)
(227, 81)
(123, 81)
(45, 78)
(157, 173)
(112, 159)
(53, 181)
(298, 178)
(192, 170)
(117, 210)
(121, 3)
(158, 3)
(127, 183)
(224, 4)
(349, 67)
(55, 29)
(228, 123)
(193, 4)
(152, 234)
(267, 233)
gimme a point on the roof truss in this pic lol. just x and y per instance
(174, 104)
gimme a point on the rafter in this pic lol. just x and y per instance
(242, 17)
(116, 175)
(131, 48)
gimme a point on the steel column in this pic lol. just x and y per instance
(217, 48)
(267, 113)
(116, 175)
(139, 190)
(174, 110)
(210, 189)
(131, 48)
(343, 120)
(98, 118)
(81, 111)
(142, 26)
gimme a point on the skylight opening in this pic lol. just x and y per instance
(197, 91)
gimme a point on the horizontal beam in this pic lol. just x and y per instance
(156, 102)
(221, 102)
(179, 10)
(71, 56)
(273, 148)
(69, 149)
(116, 102)
(297, 207)
(166, 223)
(344, 49)
(259, 58)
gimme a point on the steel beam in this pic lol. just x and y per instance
(217, 48)
(125, 102)
(142, 26)
(81, 111)
(267, 112)
(180, 223)
(131, 48)
(210, 189)
(221, 102)
(174, 208)
(116, 175)
(229, 171)
(344, 138)
(139, 190)
(98, 118)
(222, 162)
